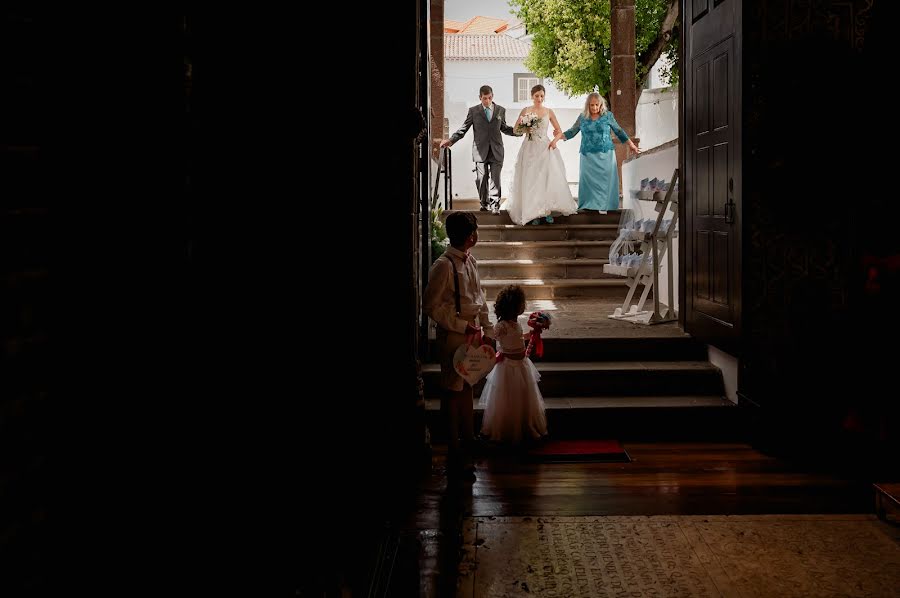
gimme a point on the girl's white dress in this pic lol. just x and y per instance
(513, 405)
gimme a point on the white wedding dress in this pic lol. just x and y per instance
(539, 186)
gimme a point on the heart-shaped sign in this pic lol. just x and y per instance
(473, 363)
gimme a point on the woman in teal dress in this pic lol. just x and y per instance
(598, 183)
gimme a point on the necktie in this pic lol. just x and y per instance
(487, 113)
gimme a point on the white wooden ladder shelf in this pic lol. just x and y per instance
(655, 246)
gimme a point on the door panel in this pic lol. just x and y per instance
(712, 173)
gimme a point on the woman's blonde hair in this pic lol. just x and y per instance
(587, 104)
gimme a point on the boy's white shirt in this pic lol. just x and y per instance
(440, 304)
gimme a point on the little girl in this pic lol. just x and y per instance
(513, 405)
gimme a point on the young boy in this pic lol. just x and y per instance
(459, 309)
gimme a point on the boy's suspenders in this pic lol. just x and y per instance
(455, 286)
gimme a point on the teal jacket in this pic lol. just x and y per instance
(595, 135)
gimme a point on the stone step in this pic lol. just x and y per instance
(547, 232)
(650, 417)
(626, 348)
(541, 269)
(468, 204)
(612, 378)
(581, 218)
(612, 287)
(887, 499)
(521, 250)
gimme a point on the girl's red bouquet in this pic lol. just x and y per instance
(538, 322)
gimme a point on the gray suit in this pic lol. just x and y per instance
(487, 149)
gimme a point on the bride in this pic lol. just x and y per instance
(539, 187)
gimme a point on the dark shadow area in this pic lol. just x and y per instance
(820, 231)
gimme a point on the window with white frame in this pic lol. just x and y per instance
(522, 84)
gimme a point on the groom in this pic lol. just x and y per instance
(489, 121)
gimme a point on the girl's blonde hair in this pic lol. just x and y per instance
(587, 104)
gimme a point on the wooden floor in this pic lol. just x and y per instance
(662, 479)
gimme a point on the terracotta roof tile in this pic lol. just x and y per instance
(453, 26)
(484, 47)
(477, 25)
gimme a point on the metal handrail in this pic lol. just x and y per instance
(444, 166)
(448, 179)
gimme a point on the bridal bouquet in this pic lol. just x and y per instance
(528, 123)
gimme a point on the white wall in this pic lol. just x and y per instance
(462, 79)
(728, 364)
(658, 164)
(656, 117)
(569, 148)
(655, 79)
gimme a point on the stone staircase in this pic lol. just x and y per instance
(600, 377)
(563, 259)
(626, 388)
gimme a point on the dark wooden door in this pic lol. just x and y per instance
(712, 182)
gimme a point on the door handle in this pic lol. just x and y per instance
(729, 205)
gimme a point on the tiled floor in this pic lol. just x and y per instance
(736, 555)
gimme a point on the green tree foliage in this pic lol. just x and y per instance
(571, 40)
